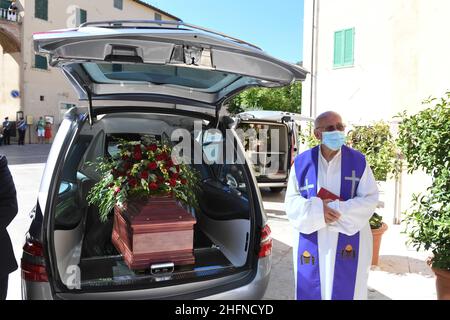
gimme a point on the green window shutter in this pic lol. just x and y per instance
(83, 16)
(349, 46)
(41, 9)
(344, 46)
(158, 17)
(4, 4)
(40, 62)
(338, 48)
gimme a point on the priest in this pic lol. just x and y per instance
(330, 198)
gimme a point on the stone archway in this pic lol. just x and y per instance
(9, 36)
(10, 74)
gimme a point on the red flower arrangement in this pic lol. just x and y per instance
(141, 169)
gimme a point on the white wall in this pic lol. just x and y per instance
(401, 56)
(365, 89)
(433, 61)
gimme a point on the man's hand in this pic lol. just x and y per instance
(330, 215)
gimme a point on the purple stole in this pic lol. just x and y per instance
(353, 164)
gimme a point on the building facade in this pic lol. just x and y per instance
(371, 60)
(27, 84)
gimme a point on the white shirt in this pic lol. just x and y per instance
(306, 216)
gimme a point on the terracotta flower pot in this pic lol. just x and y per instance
(377, 234)
(442, 283)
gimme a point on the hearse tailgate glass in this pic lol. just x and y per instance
(181, 63)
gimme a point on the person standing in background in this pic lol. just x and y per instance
(7, 131)
(48, 132)
(22, 128)
(8, 210)
(40, 129)
(12, 12)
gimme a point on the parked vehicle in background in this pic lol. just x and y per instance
(264, 154)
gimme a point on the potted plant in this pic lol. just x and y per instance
(424, 139)
(377, 144)
(378, 227)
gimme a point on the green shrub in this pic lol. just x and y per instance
(307, 136)
(377, 144)
(424, 139)
(376, 221)
(286, 98)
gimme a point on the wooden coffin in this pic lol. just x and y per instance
(154, 231)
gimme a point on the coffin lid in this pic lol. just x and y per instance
(157, 211)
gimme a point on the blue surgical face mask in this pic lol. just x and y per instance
(334, 140)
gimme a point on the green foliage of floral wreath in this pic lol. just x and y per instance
(139, 170)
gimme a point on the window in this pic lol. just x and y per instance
(70, 209)
(40, 62)
(205, 80)
(81, 16)
(63, 137)
(344, 43)
(118, 4)
(222, 167)
(41, 9)
(158, 17)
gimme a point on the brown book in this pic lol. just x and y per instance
(326, 194)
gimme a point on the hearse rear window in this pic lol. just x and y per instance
(202, 80)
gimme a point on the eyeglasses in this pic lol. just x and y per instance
(338, 127)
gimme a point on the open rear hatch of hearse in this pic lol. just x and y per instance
(160, 61)
(160, 68)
